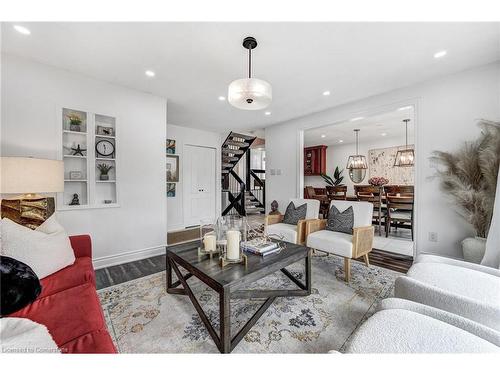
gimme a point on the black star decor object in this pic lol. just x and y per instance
(78, 150)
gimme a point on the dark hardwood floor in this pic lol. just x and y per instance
(121, 273)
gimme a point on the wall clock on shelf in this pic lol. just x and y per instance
(105, 149)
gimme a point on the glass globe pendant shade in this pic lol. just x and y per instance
(250, 93)
(405, 158)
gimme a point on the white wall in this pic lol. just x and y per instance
(31, 95)
(446, 113)
(337, 155)
(188, 136)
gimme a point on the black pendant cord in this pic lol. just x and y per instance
(406, 131)
(357, 133)
(249, 63)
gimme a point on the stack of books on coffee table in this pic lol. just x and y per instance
(260, 248)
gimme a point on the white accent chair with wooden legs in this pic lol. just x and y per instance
(292, 233)
(355, 245)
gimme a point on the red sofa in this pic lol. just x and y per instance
(69, 306)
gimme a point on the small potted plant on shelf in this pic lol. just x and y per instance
(378, 181)
(104, 169)
(74, 122)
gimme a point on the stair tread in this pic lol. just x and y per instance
(236, 143)
(231, 151)
(244, 136)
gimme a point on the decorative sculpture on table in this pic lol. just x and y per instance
(274, 208)
(75, 201)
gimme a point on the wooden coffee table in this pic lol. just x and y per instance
(231, 282)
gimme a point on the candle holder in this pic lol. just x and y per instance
(208, 239)
(231, 231)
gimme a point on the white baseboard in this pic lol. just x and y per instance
(129, 256)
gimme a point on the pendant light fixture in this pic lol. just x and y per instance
(250, 93)
(356, 164)
(406, 157)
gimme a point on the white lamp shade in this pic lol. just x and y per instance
(29, 175)
(250, 93)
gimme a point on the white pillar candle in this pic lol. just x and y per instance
(209, 242)
(233, 244)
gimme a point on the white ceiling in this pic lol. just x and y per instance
(388, 125)
(195, 62)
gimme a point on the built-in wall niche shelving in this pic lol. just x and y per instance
(89, 150)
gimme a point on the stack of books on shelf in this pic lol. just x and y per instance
(260, 248)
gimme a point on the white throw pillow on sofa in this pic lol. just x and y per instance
(46, 249)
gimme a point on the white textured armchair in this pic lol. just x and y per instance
(349, 246)
(292, 233)
(401, 326)
(466, 289)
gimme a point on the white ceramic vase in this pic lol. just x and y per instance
(473, 249)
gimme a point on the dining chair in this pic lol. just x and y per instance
(361, 189)
(406, 190)
(336, 192)
(373, 194)
(324, 202)
(400, 212)
(391, 189)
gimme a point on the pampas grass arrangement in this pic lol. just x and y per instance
(469, 176)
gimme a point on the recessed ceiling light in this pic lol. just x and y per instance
(383, 134)
(404, 108)
(267, 113)
(357, 118)
(440, 54)
(341, 140)
(326, 93)
(150, 73)
(323, 135)
(222, 98)
(22, 29)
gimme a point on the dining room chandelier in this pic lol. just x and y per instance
(357, 161)
(356, 164)
(406, 157)
(250, 93)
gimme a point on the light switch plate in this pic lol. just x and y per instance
(433, 237)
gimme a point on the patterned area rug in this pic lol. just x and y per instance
(143, 318)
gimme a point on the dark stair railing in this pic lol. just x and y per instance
(258, 191)
(233, 149)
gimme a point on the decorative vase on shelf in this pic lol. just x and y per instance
(473, 249)
(75, 127)
(104, 177)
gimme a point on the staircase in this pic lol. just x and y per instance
(233, 149)
(239, 199)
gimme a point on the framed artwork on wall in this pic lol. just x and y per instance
(105, 130)
(170, 190)
(172, 168)
(170, 146)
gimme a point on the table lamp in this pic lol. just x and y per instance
(28, 177)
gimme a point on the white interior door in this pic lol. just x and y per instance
(199, 184)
